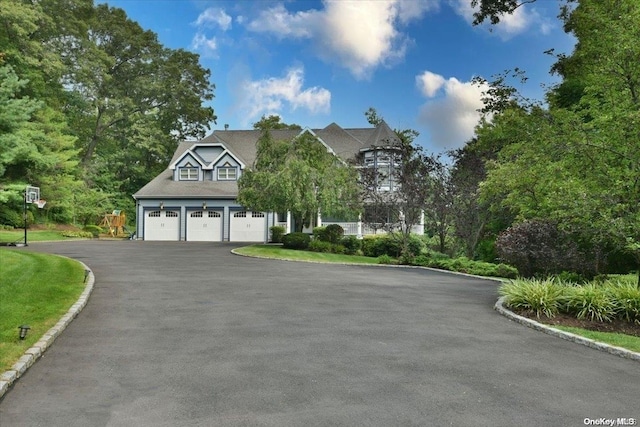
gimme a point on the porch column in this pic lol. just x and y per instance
(421, 225)
(319, 219)
(288, 228)
(359, 236)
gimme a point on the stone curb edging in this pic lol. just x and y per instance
(617, 351)
(37, 350)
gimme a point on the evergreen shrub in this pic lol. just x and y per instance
(333, 233)
(296, 240)
(351, 244)
(277, 231)
(93, 229)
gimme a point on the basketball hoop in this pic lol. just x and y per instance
(40, 203)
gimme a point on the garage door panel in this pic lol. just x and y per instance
(246, 226)
(162, 225)
(204, 226)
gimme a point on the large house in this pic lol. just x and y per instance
(194, 199)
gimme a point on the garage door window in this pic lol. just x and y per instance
(214, 214)
(154, 214)
(257, 214)
(171, 214)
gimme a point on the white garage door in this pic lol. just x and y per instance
(204, 226)
(247, 227)
(162, 225)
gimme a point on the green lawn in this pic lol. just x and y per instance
(11, 236)
(37, 290)
(273, 251)
(619, 340)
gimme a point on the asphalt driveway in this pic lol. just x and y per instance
(187, 334)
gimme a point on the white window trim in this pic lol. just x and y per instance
(226, 170)
(191, 173)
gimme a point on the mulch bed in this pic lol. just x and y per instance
(560, 319)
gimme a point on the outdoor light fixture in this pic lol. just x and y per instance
(161, 205)
(204, 206)
(23, 331)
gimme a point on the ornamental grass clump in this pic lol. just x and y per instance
(626, 295)
(592, 302)
(541, 296)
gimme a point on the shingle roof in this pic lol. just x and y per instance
(346, 143)
(163, 185)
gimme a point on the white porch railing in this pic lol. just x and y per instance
(350, 228)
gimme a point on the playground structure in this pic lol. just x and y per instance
(115, 222)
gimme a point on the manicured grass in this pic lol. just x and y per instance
(11, 236)
(619, 340)
(36, 290)
(273, 251)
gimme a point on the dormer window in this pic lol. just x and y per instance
(227, 172)
(188, 173)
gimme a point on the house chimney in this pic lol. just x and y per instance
(226, 126)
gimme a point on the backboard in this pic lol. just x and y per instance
(32, 194)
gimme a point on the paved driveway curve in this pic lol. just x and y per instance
(187, 334)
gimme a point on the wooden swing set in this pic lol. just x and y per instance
(115, 222)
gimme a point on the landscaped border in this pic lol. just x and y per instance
(37, 350)
(618, 351)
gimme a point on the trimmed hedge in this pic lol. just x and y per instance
(277, 232)
(465, 265)
(296, 240)
(390, 245)
(351, 244)
(332, 233)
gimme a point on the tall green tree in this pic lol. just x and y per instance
(578, 162)
(299, 176)
(274, 122)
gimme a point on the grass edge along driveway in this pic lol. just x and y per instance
(37, 290)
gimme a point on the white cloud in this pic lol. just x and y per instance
(272, 95)
(452, 117)
(429, 83)
(414, 9)
(212, 17)
(279, 21)
(359, 36)
(207, 46)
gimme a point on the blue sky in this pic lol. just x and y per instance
(318, 62)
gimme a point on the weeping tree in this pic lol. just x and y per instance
(299, 176)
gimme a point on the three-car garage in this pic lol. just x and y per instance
(204, 225)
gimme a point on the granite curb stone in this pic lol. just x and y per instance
(618, 351)
(37, 350)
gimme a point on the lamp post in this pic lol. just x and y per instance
(24, 215)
